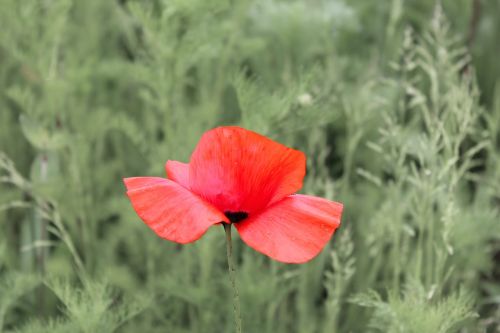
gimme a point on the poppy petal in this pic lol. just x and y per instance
(172, 211)
(178, 172)
(238, 170)
(293, 230)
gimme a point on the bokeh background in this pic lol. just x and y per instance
(396, 104)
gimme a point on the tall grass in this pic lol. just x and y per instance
(396, 104)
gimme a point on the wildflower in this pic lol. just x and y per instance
(305, 99)
(236, 176)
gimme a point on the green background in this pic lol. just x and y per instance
(395, 103)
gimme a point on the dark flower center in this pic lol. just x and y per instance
(235, 217)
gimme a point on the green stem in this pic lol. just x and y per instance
(232, 277)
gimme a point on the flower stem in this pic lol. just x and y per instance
(232, 277)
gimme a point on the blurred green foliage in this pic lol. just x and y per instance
(395, 103)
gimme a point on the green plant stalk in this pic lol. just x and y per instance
(431, 260)
(26, 252)
(396, 252)
(41, 223)
(41, 235)
(64, 235)
(232, 277)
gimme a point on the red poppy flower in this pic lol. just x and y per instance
(241, 177)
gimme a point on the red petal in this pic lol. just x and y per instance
(178, 172)
(172, 211)
(239, 170)
(293, 230)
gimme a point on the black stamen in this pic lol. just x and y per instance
(235, 217)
